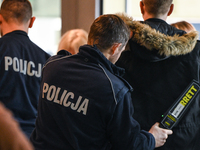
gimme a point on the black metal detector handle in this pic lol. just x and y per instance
(181, 105)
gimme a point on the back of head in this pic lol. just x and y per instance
(72, 40)
(184, 25)
(16, 10)
(157, 7)
(107, 30)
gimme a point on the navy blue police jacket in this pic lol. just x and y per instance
(84, 104)
(21, 63)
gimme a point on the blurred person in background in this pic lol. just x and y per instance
(184, 25)
(11, 136)
(72, 40)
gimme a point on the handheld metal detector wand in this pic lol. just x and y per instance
(180, 106)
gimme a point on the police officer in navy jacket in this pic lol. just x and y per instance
(21, 63)
(84, 103)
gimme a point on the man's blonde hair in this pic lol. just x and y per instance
(72, 40)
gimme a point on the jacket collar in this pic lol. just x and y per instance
(93, 54)
(155, 20)
(16, 32)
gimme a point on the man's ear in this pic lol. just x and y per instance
(1, 19)
(115, 47)
(142, 7)
(170, 10)
(31, 22)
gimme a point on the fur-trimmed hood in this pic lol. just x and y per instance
(154, 40)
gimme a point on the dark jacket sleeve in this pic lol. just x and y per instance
(124, 131)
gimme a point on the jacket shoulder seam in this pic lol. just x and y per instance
(110, 83)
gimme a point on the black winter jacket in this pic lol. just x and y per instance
(84, 104)
(159, 67)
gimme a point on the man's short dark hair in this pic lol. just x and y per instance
(156, 7)
(21, 10)
(107, 30)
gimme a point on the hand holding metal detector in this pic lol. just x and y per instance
(181, 105)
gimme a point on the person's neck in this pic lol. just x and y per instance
(162, 17)
(12, 27)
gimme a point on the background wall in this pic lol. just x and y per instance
(77, 14)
